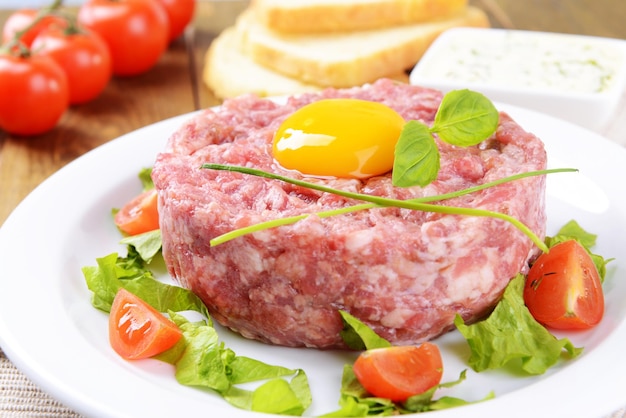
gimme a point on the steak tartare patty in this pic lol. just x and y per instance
(404, 273)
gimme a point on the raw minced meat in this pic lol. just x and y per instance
(404, 273)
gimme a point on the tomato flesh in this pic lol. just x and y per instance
(139, 215)
(137, 330)
(398, 373)
(563, 288)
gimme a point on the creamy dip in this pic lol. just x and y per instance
(536, 60)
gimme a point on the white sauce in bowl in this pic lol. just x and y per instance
(536, 60)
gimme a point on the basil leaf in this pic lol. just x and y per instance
(416, 157)
(511, 333)
(465, 118)
(359, 336)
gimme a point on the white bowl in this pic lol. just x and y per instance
(573, 77)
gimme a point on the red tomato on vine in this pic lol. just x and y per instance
(179, 13)
(83, 55)
(33, 93)
(136, 31)
(21, 19)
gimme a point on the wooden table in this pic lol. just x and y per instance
(174, 86)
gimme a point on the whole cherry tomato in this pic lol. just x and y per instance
(20, 19)
(136, 31)
(83, 55)
(33, 93)
(180, 13)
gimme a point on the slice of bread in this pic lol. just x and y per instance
(305, 16)
(229, 73)
(350, 58)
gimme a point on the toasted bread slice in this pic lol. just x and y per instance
(346, 59)
(308, 16)
(229, 73)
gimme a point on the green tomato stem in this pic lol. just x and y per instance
(14, 45)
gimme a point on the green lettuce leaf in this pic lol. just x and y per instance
(113, 272)
(147, 245)
(511, 333)
(356, 402)
(359, 336)
(572, 230)
(145, 176)
(205, 362)
(200, 359)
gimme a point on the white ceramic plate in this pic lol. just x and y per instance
(51, 332)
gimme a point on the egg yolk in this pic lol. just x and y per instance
(347, 138)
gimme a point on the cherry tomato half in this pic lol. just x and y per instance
(563, 288)
(139, 215)
(136, 31)
(20, 19)
(83, 55)
(33, 94)
(137, 330)
(399, 372)
(179, 13)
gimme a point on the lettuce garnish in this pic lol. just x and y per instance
(200, 359)
(354, 400)
(511, 333)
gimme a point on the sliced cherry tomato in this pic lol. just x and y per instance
(33, 94)
(20, 19)
(179, 13)
(137, 31)
(139, 215)
(137, 330)
(398, 373)
(83, 55)
(563, 288)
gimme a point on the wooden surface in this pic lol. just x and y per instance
(174, 87)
